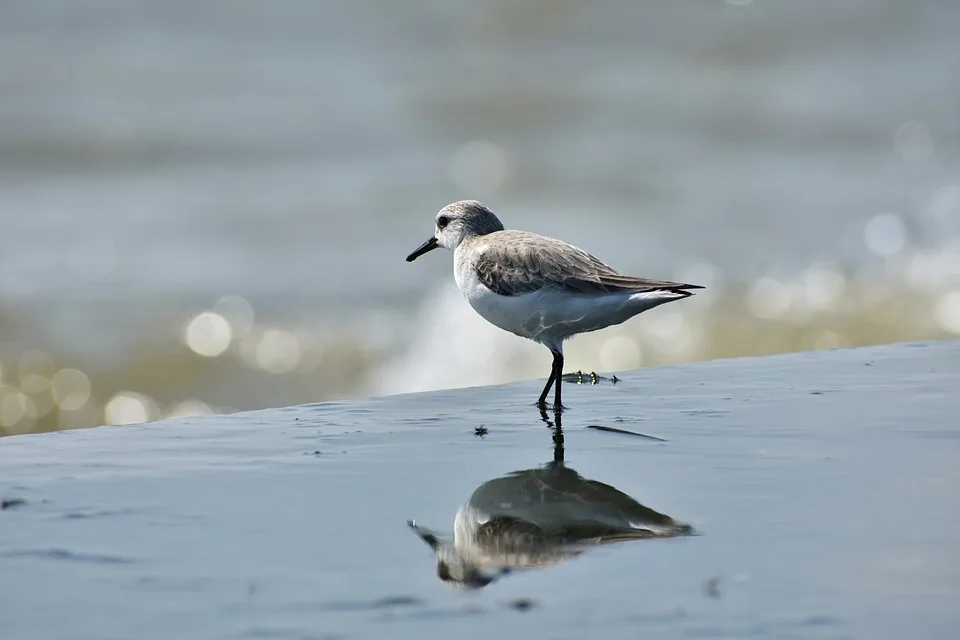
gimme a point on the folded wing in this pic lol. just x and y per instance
(521, 262)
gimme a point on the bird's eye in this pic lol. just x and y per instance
(442, 221)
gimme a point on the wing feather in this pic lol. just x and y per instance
(519, 262)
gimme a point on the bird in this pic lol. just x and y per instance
(537, 287)
(537, 518)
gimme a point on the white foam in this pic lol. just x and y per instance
(454, 347)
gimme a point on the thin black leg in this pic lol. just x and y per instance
(558, 375)
(543, 396)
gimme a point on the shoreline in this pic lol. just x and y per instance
(293, 522)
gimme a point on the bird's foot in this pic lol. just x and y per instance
(556, 408)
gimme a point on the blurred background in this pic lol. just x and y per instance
(205, 206)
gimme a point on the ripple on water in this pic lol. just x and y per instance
(65, 555)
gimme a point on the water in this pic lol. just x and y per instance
(800, 160)
(821, 487)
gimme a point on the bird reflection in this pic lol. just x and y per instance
(539, 517)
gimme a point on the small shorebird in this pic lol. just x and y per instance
(536, 287)
(536, 518)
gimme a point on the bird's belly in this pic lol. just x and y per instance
(516, 314)
(550, 315)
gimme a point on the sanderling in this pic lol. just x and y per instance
(537, 287)
(536, 518)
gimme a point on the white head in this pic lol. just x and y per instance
(452, 568)
(457, 221)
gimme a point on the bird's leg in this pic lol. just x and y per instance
(543, 396)
(558, 375)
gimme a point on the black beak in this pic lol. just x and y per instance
(425, 535)
(429, 245)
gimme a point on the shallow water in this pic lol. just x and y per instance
(799, 159)
(821, 485)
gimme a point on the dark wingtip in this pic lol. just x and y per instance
(679, 286)
(685, 290)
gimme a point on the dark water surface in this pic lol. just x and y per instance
(822, 488)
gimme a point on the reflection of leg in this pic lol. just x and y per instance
(557, 436)
(545, 417)
(557, 429)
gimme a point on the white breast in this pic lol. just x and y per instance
(516, 314)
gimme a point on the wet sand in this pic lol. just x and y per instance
(822, 488)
